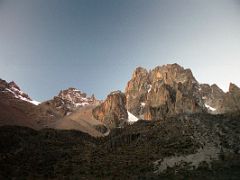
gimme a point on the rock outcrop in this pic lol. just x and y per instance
(76, 97)
(231, 100)
(219, 102)
(68, 101)
(136, 90)
(213, 98)
(112, 112)
(164, 91)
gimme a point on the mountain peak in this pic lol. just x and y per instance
(139, 72)
(14, 91)
(147, 91)
(171, 73)
(12, 84)
(112, 111)
(233, 88)
(69, 100)
(75, 96)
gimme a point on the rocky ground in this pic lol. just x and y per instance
(193, 146)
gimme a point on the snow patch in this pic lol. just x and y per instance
(107, 133)
(35, 102)
(68, 113)
(21, 97)
(210, 108)
(143, 104)
(131, 118)
(81, 104)
(150, 88)
(206, 154)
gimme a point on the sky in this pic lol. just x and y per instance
(95, 45)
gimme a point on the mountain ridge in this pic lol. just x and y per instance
(153, 94)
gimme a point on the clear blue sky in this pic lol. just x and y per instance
(94, 45)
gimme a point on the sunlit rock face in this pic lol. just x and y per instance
(164, 91)
(112, 112)
(137, 90)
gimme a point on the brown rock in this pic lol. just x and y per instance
(160, 101)
(233, 89)
(164, 91)
(219, 102)
(136, 90)
(212, 96)
(231, 100)
(112, 112)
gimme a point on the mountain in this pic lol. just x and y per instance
(13, 90)
(112, 111)
(232, 99)
(156, 94)
(164, 91)
(219, 102)
(71, 109)
(213, 97)
(17, 108)
(170, 89)
(68, 101)
(166, 125)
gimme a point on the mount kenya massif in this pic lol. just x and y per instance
(164, 125)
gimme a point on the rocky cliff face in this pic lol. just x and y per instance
(136, 90)
(219, 102)
(68, 101)
(231, 100)
(112, 112)
(163, 91)
(213, 98)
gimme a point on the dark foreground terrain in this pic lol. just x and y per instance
(199, 146)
